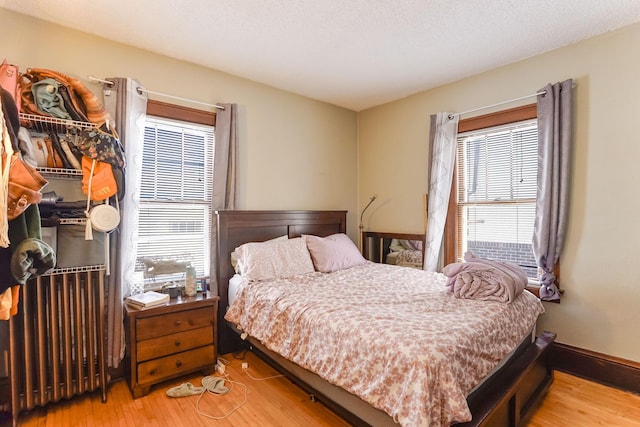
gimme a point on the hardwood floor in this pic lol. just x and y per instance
(571, 401)
(272, 402)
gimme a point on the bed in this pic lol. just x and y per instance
(505, 397)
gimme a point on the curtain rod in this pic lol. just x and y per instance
(140, 89)
(451, 116)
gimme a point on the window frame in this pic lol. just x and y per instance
(179, 112)
(184, 114)
(503, 117)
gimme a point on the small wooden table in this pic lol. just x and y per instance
(171, 340)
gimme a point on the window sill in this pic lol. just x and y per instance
(535, 289)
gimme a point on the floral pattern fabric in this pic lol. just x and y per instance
(409, 257)
(393, 336)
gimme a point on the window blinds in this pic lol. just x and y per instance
(496, 193)
(176, 193)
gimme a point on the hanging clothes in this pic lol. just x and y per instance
(22, 252)
(9, 300)
(6, 151)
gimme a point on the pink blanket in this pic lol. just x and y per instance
(483, 279)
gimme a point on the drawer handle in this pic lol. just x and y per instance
(178, 323)
(178, 364)
(177, 343)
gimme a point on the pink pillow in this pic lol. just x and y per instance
(333, 253)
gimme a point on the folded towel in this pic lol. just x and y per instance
(484, 279)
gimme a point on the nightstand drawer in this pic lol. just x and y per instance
(175, 365)
(169, 344)
(167, 324)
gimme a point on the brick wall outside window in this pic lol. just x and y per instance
(517, 253)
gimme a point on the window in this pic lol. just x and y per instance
(175, 193)
(495, 189)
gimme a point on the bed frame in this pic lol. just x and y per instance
(507, 398)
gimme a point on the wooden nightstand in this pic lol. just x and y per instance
(169, 341)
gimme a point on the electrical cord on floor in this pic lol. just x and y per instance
(212, 386)
(231, 382)
(245, 369)
(223, 361)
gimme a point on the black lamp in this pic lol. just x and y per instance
(361, 226)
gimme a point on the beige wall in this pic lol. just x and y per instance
(295, 153)
(600, 270)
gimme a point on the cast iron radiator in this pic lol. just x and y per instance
(57, 340)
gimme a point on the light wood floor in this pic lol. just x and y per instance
(571, 402)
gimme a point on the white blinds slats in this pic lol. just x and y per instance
(496, 192)
(176, 187)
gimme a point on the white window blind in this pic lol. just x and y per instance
(496, 190)
(175, 195)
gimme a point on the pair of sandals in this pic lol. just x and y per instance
(213, 384)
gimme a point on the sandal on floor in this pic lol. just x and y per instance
(215, 385)
(185, 389)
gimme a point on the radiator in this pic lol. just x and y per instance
(57, 340)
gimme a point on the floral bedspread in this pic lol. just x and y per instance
(409, 257)
(393, 336)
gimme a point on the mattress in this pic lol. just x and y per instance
(395, 337)
(235, 283)
(356, 406)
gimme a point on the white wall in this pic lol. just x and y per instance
(599, 269)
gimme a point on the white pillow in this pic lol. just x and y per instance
(274, 260)
(234, 254)
(333, 253)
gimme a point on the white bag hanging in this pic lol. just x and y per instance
(103, 217)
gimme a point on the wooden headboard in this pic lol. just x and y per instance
(238, 227)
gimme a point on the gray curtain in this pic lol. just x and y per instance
(128, 105)
(554, 149)
(225, 175)
(442, 149)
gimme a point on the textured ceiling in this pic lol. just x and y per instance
(351, 53)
